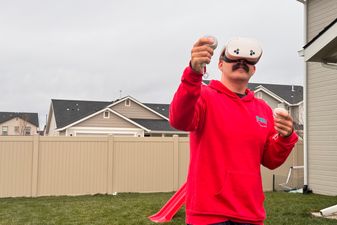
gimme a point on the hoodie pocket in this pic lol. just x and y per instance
(242, 195)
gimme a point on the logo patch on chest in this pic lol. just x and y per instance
(261, 121)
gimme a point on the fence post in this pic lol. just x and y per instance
(110, 151)
(175, 162)
(35, 162)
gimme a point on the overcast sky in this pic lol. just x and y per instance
(90, 50)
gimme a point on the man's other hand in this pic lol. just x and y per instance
(283, 122)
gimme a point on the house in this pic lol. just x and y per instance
(320, 92)
(122, 117)
(289, 97)
(18, 123)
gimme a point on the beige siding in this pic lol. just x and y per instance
(322, 129)
(11, 124)
(322, 107)
(320, 14)
(272, 102)
(41, 166)
(135, 111)
(52, 126)
(112, 121)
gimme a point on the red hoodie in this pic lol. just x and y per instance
(229, 138)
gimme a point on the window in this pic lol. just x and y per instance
(106, 115)
(27, 131)
(4, 130)
(127, 102)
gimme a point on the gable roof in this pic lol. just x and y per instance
(70, 111)
(156, 125)
(160, 108)
(32, 118)
(101, 111)
(139, 103)
(292, 94)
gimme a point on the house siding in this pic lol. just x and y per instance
(11, 124)
(112, 121)
(321, 107)
(134, 111)
(272, 102)
(320, 14)
(52, 126)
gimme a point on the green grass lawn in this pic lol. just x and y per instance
(125, 209)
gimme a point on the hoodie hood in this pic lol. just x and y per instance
(220, 87)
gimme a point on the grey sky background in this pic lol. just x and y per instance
(90, 50)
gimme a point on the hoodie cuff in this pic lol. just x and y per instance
(291, 139)
(192, 77)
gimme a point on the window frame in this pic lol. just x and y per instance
(3, 131)
(104, 114)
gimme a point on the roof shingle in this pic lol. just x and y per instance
(70, 111)
(32, 118)
(155, 125)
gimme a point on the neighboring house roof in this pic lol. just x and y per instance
(101, 111)
(160, 108)
(155, 125)
(139, 103)
(32, 118)
(293, 94)
(70, 111)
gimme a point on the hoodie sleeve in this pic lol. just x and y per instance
(187, 107)
(277, 148)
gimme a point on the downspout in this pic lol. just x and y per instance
(305, 101)
(328, 211)
(305, 108)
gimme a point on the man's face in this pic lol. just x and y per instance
(240, 70)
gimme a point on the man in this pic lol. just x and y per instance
(231, 134)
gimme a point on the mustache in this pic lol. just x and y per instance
(240, 65)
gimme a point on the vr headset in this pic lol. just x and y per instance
(239, 49)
